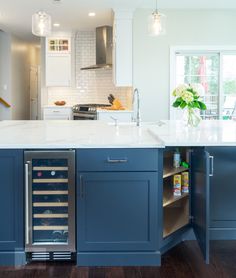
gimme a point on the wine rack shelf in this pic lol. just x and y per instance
(52, 215)
(51, 192)
(50, 228)
(50, 204)
(50, 168)
(50, 181)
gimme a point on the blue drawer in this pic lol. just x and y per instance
(99, 160)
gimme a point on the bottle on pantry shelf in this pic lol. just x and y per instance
(177, 185)
(185, 164)
(176, 159)
(185, 182)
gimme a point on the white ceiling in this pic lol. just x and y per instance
(15, 15)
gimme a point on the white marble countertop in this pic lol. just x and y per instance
(74, 134)
(208, 133)
(97, 134)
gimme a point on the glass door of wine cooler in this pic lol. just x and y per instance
(49, 201)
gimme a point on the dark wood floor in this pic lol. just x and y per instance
(184, 260)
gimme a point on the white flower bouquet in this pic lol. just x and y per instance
(189, 96)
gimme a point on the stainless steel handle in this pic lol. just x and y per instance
(27, 203)
(81, 187)
(211, 158)
(56, 111)
(109, 160)
(84, 116)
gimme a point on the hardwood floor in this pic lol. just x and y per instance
(184, 260)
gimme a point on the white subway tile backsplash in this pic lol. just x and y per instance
(91, 86)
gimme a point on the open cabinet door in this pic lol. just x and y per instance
(200, 198)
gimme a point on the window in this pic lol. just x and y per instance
(216, 71)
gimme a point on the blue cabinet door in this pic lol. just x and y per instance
(11, 207)
(200, 198)
(117, 211)
(223, 192)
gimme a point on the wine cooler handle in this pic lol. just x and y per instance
(81, 187)
(27, 203)
(211, 166)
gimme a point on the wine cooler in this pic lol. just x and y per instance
(50, 205)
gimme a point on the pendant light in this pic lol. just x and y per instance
(41, 24)
(156, 23)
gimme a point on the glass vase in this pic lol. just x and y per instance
(192, 117)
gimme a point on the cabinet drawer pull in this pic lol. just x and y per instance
(211, 166)
(110, 160)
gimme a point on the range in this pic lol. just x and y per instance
(86, 111)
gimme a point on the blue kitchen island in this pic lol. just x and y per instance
(125, 213)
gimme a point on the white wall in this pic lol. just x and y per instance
(5, 69)
(151, 55)
(16, 56)
(20, 65)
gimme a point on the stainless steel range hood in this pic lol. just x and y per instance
(103, 49)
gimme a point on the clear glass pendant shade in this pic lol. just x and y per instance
(41, 24)
(156, 24)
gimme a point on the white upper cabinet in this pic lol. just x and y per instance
(58, 62)
(123, 48)
(58, 71)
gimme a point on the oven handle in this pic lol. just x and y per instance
(84, 116)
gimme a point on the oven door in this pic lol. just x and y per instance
(84, 116)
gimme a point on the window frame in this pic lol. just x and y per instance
(197, 49)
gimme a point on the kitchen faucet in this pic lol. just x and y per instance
(138, 118)
(115, 120)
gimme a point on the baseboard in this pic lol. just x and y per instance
(118, 259)
(15, 258)
(223, 233)
(183, 234)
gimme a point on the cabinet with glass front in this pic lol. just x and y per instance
(58, 45)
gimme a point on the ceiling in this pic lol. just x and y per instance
(15, 16)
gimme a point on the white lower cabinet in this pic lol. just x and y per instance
(120, 116)
(57, 113)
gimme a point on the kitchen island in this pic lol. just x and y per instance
(125, 214)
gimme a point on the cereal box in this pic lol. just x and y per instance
(177, 185)
(185, 182)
